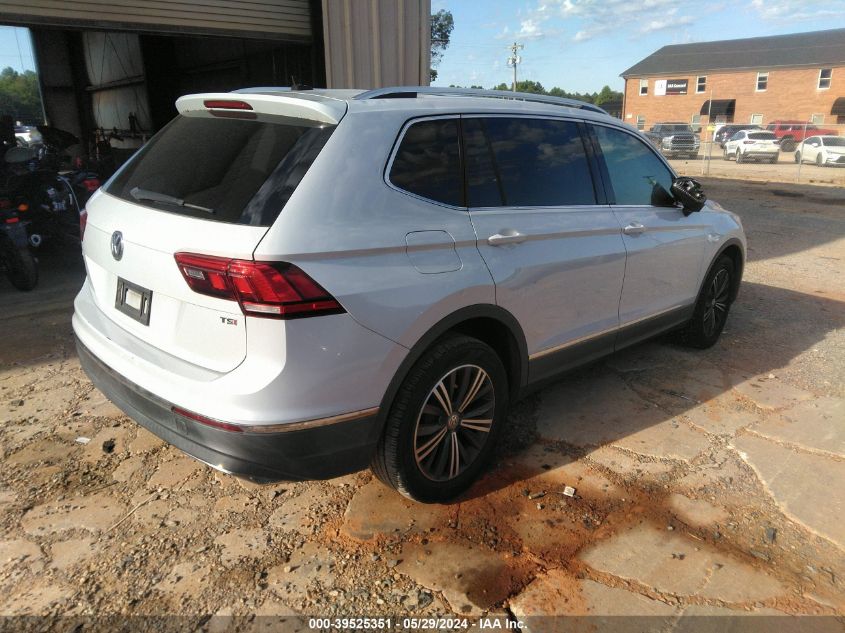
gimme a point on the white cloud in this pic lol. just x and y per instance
(785, 10)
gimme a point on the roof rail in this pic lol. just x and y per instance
(410, 92)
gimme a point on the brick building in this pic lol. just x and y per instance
(800, 76)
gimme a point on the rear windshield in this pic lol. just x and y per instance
(761, 136)
(235, 170)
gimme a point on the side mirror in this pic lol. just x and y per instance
(689, 194)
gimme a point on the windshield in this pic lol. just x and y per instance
(234, 170)
(836, 141)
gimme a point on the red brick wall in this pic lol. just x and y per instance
(791, 94)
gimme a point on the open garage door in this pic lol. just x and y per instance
(263, 19)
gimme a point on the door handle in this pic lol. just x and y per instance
(634, 228)
(507, 236)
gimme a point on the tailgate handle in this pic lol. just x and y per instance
(507, 236)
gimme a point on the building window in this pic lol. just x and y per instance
(756, 119)
(640, 121)
(824, 78)
(817, 119)
(643, 87)
(695, 123)
(762, 82)
(701, 84)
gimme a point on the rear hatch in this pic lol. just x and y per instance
(762, 141)
(210, 183)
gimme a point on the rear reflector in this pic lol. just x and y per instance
(275, 290)
(226, 104)
(91, 184)
(196, 417)
(83, 222)
(12, 220)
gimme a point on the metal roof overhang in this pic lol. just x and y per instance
(719, 107)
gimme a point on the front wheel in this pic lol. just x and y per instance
(711, 309)
(819, 160)
(738, 157)
(444, 422)
(21, 268)
(797, 157)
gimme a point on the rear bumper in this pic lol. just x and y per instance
(316, 449)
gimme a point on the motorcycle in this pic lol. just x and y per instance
(56, 195)
(15, 254)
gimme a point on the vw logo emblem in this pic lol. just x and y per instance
(117, 245)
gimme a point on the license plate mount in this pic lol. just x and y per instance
(133, 300)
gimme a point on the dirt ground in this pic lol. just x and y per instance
(708, 483)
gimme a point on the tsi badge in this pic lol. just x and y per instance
(117, 245)
(228, 321)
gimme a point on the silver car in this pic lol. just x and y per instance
(296, 285)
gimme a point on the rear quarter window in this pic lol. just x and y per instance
(235, 170)
(427, 162)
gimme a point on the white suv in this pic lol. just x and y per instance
(299, 284)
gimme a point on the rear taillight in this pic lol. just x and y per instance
(275, 290)
(91, 184)
(83, 222)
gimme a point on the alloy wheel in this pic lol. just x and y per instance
(716, 306)
(454, 423)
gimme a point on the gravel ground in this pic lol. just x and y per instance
(707, 483)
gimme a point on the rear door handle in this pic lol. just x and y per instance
(634, 228)
(507, 236)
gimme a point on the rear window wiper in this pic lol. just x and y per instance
(155, 196)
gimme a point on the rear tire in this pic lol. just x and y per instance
(738, 157)
(712, 307)
(797, 157)
(21, 268)
(787, 144)
(424, 452)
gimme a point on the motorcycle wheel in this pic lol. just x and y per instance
(21, 268)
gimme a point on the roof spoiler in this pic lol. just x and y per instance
(328, 111)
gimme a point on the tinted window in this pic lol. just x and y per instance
(637, 175)
(837, 141)
(535, 162)
(428, 162)
(236, 170)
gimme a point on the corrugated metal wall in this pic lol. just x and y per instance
(284, 19)
(376, 43)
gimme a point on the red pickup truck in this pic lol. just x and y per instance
(790, 133)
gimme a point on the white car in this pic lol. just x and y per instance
(748, 145)
(822, 150)
(299, 284)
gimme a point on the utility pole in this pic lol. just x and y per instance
(514, 60)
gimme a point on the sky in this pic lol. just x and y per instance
(16, 48)
(582, 45)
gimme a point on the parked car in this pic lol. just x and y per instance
(674, 139)
(748, 145)
(822, 150)
(790, 133)
(295, 285)
(724, 133)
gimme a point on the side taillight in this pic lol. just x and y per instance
(275, 290)
(91, 184)
(83, 222)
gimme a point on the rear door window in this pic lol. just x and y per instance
(525, 162)
(427, 162)
(235, 170)
(637, 176)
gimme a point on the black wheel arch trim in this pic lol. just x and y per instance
(445, 325)
(737, 273)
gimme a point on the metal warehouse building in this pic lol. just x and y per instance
(797, 77)
(121, 64)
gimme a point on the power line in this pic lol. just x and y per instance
(515, 60)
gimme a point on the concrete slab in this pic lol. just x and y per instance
(806, 487)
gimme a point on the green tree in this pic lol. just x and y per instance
(19, 96)
(442, 25)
